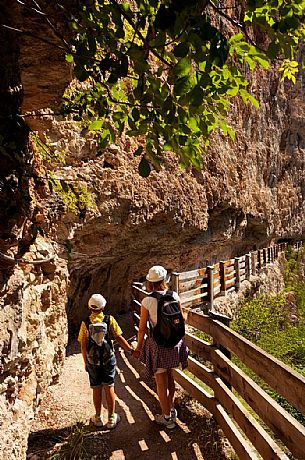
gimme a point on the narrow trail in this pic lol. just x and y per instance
(196, 436)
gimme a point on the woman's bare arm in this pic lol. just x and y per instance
(142, 329)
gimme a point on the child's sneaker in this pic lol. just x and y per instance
(113, 421)
(168, 423)
(173, 414)
(96, 420)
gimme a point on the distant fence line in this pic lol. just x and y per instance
(203, 285)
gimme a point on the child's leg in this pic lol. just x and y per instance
(97, 399)
(110, 398)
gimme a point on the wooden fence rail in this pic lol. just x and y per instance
(199, 288)
(266, 430)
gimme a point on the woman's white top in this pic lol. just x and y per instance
(151, 304)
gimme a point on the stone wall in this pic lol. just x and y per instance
(33, 336)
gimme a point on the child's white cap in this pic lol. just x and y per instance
(97, 302)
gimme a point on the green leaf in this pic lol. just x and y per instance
(182, 68)
(196, 96)
(181, 50)
(273, 50)
(96, 125)
(135, 114)
(144, 168)
(262, 60)
(231, 133)
(182, 86)
(253, 101)
(138, 152)
(232, 91)
(69, 58)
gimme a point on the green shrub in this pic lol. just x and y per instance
(266, 322)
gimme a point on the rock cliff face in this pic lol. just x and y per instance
(249, 192)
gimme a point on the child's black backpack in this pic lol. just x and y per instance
(170, 327)
(99, 348)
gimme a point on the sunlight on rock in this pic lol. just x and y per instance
(146, 408)
(143, 445)
(183, 426)
(121, 376)
(197, 451)
(165, 436)
(117, 455)
(152, 392)
(130, 367)
(127, 411)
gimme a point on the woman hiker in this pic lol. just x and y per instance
(160, 360)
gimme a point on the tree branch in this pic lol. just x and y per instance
(236, 24)
(51, 25)
(141, 36)
(30, 34)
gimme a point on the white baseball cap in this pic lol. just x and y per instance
(97, 302)
(156, 273)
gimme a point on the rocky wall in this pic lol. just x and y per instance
(33, 336)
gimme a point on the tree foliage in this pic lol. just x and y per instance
(167, 70)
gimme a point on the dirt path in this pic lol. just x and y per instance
(67, 403)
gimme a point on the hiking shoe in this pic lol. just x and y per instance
(173, 414)
(113, 421)
(161, 420)
(96, 420)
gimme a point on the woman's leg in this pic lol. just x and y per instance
(171, 387)
(162, 391)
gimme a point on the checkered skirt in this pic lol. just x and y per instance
(154, 356)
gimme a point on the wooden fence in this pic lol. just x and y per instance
(261, 428)
(202, 286)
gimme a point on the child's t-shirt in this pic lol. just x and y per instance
(114, 328)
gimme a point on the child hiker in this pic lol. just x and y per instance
(100, 361)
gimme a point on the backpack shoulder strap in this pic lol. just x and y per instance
(155, 295)
(87, 322)
(108, 334)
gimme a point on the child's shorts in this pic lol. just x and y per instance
(102, 375)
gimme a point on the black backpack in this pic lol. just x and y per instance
(170, 327)
(99, 348)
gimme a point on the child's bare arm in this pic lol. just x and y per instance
(83, 347)
(124, 344)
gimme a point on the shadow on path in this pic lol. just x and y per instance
(196, 436)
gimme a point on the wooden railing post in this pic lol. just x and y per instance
(264, 257)
(253, 262)
(237, 273)
(210, 273)
(222, 277)
(269, 255)
(224, 319)
(259, 260)
(175, 282)
(248, 266)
